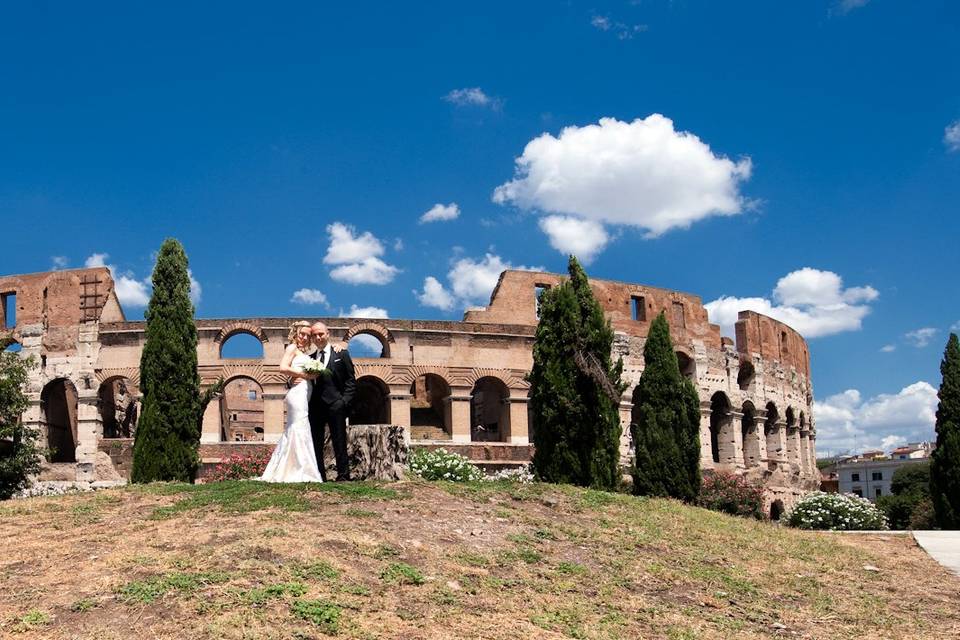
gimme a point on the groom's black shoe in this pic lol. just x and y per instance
(343, 479)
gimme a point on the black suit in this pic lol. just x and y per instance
(330, 403)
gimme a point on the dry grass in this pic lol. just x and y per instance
(418, 560)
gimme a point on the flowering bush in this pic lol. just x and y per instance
(730, 493)
(440, 464)
(836, 512)
(519, 474)
(240, 467)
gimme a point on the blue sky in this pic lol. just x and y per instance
(710, 147)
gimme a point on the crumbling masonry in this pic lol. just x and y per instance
(457, 384)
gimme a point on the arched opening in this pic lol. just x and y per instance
(489, 410)
(806, 461)
(371, 402)
(746, 376)
(771, 431)
(241, 346)
(12, 346)
(430, 410)
(776, 510)
(750, 437)
(118, 407)
(721, 436)
(241, 411)
(367, 345)
(58, 405)
(793, 439)
(688, 366)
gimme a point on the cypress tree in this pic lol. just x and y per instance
(575, 388)
(945, 465)
(168, 433)
(666, 425)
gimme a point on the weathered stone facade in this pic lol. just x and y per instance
(458, 383)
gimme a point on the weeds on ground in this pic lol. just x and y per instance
(402, 573)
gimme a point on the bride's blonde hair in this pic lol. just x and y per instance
(295, 329)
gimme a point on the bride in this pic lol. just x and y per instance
(294, 459)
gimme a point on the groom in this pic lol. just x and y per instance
(330, 401)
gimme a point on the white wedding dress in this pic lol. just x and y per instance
(294, 459)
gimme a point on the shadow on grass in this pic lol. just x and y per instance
(244, 496)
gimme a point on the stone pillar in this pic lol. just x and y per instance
(89, 428)
(706, 456)
(210, 428)
(519, 429)
(400, 409)
(759, 422)
(273, 413)
(626, 441)
(793, 446)
(733, 445)
(460, 414)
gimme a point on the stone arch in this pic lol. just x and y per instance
(721, 429)
(490, 409)
(687, 365)
(771, 431)
(478, 374)
(371, 401)
(746, 376)
(253, 371)
(240, 326)
(430, 408)
(58, 411)
(241, 410)
(776, 510)
(118, 403)
(370, 328)
(749, 436)
(241, 344)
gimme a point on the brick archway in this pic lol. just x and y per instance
(370, 328)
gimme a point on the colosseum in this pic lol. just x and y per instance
(459, 384)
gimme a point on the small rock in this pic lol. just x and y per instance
(502, 520)
(453, 585)
(870, 567)
(778, 626)
(550, 501)
(459, 532)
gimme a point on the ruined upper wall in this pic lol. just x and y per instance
(59, 301)
(772, 340)
(630, 307)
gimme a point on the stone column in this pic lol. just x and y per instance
(706, 456)
(519, 429)
(273, 412)
(210, 429)
(759, 422)
(89, 428)
(732, 441)
(778, 440)
(400, 408)
(460, 414)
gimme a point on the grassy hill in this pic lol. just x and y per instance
(428, 560)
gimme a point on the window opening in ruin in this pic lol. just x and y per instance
(371, 402)
(8, 304)
(679, 319)
(538, 290)
(430, 409)
(241, 346)
(687, 365)
(771, 431)
(720, 424)
(365, 345)
(118, 408)
(776, 510)
(90, 297)
(639, 308)
(749, 437)
(489, 410)
(746, 376)
(241, 411)
(784, 349)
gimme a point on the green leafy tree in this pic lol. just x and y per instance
(168, 433)
(575, 388)
(945, 465)
(19, 453)
(666, 425)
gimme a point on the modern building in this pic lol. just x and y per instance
(870, 477)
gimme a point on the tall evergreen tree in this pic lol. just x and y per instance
(575, 388)
(945, 466)
(666, 425)
(168, 433)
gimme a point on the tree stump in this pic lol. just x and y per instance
(376, 451)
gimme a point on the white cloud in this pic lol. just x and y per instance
(398, 244)
(643, 174)
(811, 301)
(309, 296)
(370, 271)
(568, 234)
(601, 22)
(843, 7)
(921, 337)
(471, 282)
(888, 348)
(96, 260)
(435, 295)
(58, 262)
(472, 97)
(951, 136)
(356, 257)
(845, 423)
(623, 31)
(196, 291)
(130, 291)
(364, 312)
(441, 212)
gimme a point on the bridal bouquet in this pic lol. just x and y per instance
(316, 367)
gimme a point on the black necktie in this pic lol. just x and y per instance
(323, 352)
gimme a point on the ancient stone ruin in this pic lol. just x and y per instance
(455, 384)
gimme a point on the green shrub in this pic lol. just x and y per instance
(923, 515)
(443, 465)
(897, 509)
(402, 573)
(322, 613)
(729, 493)
(836, 512)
